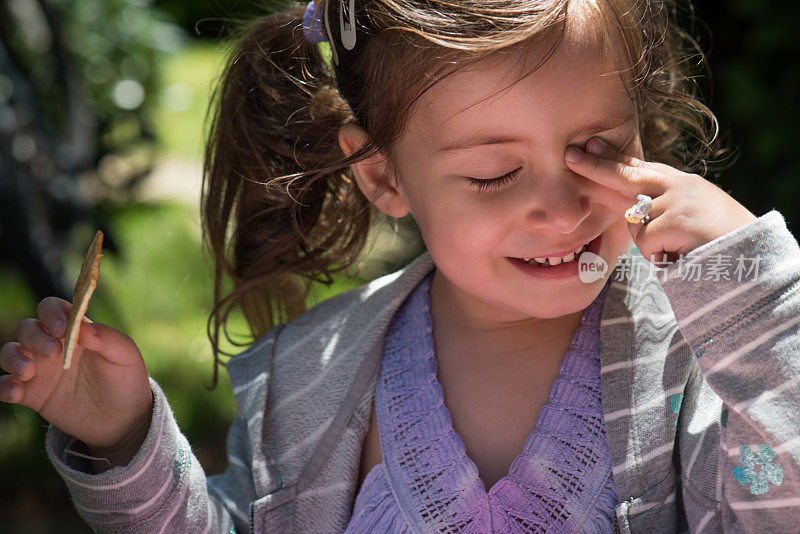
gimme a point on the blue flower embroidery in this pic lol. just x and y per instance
(701, 348)
(675, 401)
(181, 463)
(758, 469)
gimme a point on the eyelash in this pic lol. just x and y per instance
(498, 183)
(494, 183)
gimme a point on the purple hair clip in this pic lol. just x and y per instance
(312, 25)
(316, 32)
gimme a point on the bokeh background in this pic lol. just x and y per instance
(102, 106)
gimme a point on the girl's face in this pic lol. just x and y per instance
(473, 236)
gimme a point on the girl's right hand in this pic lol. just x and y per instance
(104, 399)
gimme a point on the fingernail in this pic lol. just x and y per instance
(21, 366)
(595, 146)
(58, 327)
(573, 155)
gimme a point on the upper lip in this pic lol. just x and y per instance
(563, 252)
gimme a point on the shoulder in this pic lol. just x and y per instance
(636, 293)
(354, 310)
(312, 372)
(346, 319)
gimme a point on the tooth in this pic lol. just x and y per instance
(569, 257)
(554, 260)
(579, 249)
(526, 259)
(540, 260)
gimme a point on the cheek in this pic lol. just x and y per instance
(457, 221)
(621, 239)
(462, 232)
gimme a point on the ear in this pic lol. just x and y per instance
(374, 175)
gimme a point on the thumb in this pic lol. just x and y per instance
(109, 342)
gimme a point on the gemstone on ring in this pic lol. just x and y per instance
(636, 213)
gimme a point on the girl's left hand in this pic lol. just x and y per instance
(688, 210)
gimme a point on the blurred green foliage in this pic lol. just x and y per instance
(112, 48)
(186, 83)
(210, 19)
(119, 43)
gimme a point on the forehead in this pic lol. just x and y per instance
(578, 81)
(572, 72)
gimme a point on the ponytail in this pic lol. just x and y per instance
(278, 208)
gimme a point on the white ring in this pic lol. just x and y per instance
(639, 213)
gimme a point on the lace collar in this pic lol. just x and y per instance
(561, 479)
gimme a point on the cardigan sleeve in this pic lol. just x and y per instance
(737, 303)
(164, 487)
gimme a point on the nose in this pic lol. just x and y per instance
(559, 203)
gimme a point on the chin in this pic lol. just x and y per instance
(568, 308)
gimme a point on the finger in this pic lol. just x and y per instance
(111, 343)
(598, 147)
(661, 240)
(54, 312)
(11, 390)
(33, 337)
(624, 174)
(13, 361)
(614, 200)
(649, 241)
(637, 229)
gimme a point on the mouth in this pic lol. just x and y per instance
(591, 246)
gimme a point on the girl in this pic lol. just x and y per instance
(585, 345)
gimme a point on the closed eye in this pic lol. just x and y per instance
(494, 184)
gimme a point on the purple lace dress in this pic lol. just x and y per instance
(560, 482)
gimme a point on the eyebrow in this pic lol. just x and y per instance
(483, 139)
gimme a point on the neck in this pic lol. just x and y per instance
(470, 332)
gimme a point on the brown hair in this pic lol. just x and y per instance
(280, 208)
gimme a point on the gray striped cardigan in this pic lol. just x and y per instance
(701, 396)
